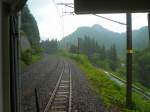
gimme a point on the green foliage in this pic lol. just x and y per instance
(97, 54)
(142, 67)
(49, 46)
(100, 61)
(35, 58)
(62, 52)
(26, 56)
(112, 55)
(73, 49)
(140, 105)
(30, 30)
(29, 26)
(112, 94)
(36, 49)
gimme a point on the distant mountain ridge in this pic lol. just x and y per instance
(108, 38)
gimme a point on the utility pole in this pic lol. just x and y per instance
(148, 17)
(129, 61)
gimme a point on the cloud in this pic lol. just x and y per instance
(47, 18)
(51, 25)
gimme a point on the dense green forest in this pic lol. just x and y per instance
(49, 46)
(141, 67)
(98, 55)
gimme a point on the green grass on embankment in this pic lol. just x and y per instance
(112, 94)
(28, 59)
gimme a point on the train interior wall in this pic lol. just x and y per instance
(1, 57)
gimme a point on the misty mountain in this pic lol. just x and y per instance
(107, 38)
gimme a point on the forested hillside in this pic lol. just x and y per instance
(107, 50)
(29, 39)
(141, 67)
(29, 26)
(98, 55)
(107, 38)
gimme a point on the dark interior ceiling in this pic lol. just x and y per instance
(14, 6)
(111, 6)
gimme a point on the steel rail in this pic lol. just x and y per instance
(54, 92)
(61, 97)
(70, 95)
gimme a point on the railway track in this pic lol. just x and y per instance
(60, 100)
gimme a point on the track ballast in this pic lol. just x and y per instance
(60, 100)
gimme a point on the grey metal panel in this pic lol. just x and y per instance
(14, 6)
(17, 5)
(1, 90)
(111, 6)
(11, 1)
(7, 1)
(5, 60)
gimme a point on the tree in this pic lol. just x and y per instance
(73, 49)
(113, 58)
(98, 55)
(49, 46)
(29, 26)
(88, 46)
(142, 67)
(103, 52)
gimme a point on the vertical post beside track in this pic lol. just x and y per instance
(129, 61)
(36, 100)
(148, 17)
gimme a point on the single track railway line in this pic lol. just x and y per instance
(61, 97)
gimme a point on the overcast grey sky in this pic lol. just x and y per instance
(53, 24)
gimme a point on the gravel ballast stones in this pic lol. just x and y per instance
(44, 74)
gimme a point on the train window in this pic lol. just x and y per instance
(77, 63)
